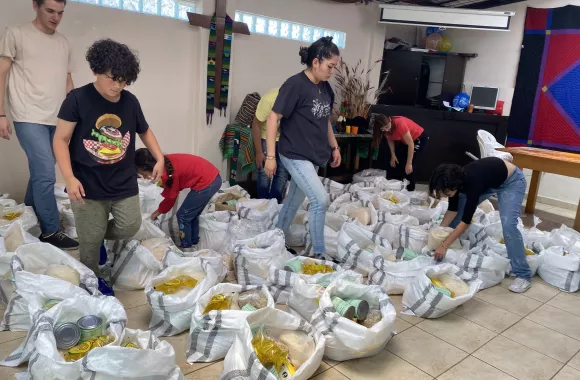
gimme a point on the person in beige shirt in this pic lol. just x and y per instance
(35, 62)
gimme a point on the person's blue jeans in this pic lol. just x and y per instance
(188, 213)
(278, 183)
(305, 183)
(510, 196)
(36, 140)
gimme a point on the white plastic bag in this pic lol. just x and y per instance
(360, 207)
(331, 186)
(401, 206)
(566, 237)
(213, 229)
(559, 269)
(357, 248)
(67, 217)
(27, 216)
(332, 224)
(306, 292)
(397, 219)
(60, 192)
(390, 184)
(241, 360)
(149, 196)
(221, 264)
(225, 188)
(133, 265)
(296, 236)
(368, 175)
(535, 235)
(171, 313)
(263, 213)
(346, 339)
(395, 277)
(413, 237)
(282, 280)
(336, 202)
(421, 299)
(33, 260)
(254, 257)
(211, 335)
(426, 214)
(40, 342)
(10, 239)
(485, 265)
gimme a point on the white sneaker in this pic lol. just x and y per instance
(520, 285)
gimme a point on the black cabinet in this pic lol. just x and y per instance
(408, 77)
(451, 134)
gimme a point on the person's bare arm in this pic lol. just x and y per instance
(257, 135)
(5, 128)
(410, 152)
(151, 143)
(336, 157)
(441, 251)
(271, 132)
(62, 136)
(69, 83)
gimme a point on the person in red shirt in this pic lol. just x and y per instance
(182, 171)
(406, 140)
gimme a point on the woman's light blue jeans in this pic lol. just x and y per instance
(510, 196)
(305, 183)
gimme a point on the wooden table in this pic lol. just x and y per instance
(548, 161)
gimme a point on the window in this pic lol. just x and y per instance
(287, 29)
(165, 8)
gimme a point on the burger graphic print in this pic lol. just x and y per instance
(108, 145)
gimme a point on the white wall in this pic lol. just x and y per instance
(497, 65)
(261, 62)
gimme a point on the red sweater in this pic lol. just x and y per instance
(189, 172)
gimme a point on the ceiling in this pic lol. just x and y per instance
(469, 4)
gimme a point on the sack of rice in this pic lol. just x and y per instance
(332, 224)
(560, 267)
(485, 265)
(358, 247)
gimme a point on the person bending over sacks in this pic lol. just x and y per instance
(472, 184)
(303, 107)
(182, 171)
(406, 140)
(94, 145)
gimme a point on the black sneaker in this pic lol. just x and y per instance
(60, 240)
(105, 288)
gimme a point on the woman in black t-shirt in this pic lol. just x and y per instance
(470, 185)
(303, 108)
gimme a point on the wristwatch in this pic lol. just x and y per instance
(332, 149)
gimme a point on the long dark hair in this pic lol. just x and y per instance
(446, 177)
(322, 49)
(145, 161)
(379, 121)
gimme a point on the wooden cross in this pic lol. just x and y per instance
(204, 21)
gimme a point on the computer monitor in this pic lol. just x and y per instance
(484, 98)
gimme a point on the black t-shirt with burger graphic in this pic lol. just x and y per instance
(102, 147)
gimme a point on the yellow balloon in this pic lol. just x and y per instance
(445, 45)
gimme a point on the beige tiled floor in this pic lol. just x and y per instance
(498, 335)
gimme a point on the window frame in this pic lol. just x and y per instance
(140, 4)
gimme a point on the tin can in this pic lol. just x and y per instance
(67, 335)
(294, 266)
(91, 327)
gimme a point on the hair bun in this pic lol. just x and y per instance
(303, 55)
(327, 40)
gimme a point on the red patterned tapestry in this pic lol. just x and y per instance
(546, 106)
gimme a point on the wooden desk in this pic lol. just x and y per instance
(548, 161)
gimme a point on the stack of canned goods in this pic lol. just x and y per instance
(69, 334)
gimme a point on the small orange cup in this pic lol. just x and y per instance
(354, 130)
